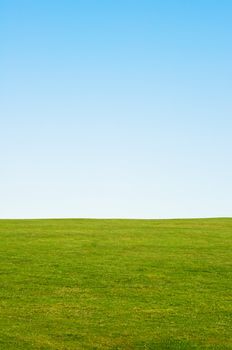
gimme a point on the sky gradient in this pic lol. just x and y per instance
(115, 108)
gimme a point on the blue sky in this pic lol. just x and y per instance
(115, 108)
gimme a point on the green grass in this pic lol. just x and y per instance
(115, 284)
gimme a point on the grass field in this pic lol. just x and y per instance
(115, 284)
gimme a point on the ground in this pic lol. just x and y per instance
(115, 284)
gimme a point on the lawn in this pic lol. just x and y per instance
(115, 284)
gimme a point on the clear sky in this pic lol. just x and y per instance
(115, 108)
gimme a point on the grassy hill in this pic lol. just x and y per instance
(115, 284)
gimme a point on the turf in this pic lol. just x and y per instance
(115, 284)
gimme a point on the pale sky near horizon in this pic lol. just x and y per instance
(115, 108)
